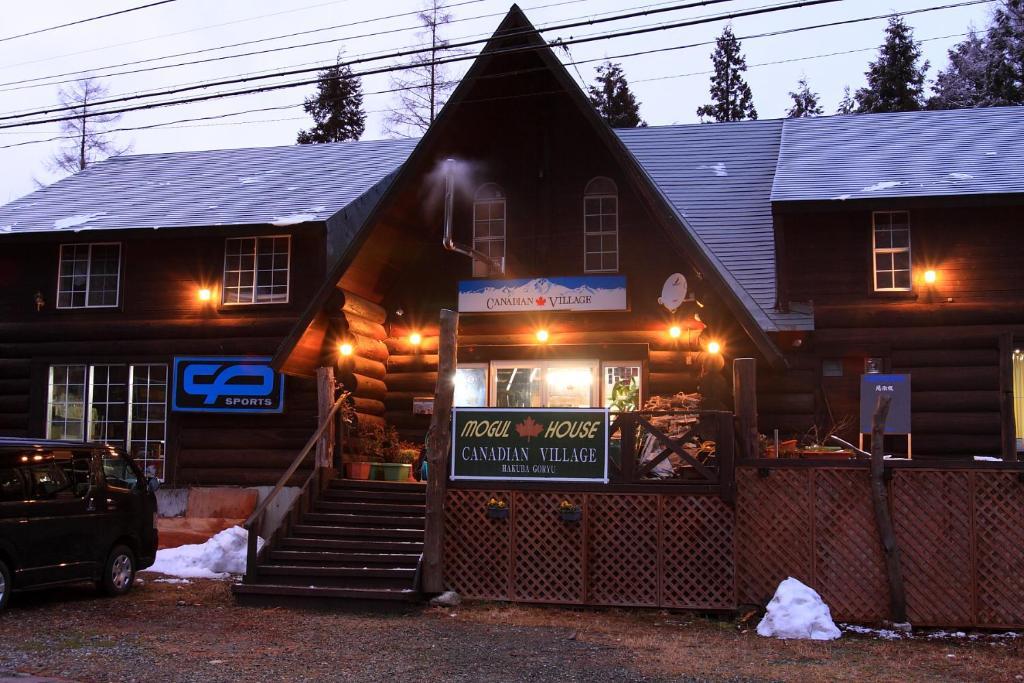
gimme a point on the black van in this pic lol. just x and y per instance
(73, 512)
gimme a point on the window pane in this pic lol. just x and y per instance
(147, 435)
(622, 387)
(518, 388)
(65, 407)
(900, 238)
(569, 386)
(883, 280)
(901, 279)
(471, 387)
(901, 260)
(883, 239)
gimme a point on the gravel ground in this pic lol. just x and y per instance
(195, 632)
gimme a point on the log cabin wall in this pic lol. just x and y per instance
(159, 317)
(945, 334)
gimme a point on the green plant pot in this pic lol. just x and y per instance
(394, 471)
(376, 470)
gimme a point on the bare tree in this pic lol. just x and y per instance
(87, 138)
(423, 86)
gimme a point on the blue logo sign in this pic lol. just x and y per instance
(239, 384)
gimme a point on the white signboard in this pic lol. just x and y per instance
(583, 293)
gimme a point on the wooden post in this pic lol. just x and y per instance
(627, 447)
(1009, 427)
(324, 402)
(744, 392)
(437, 454)
(883, 516)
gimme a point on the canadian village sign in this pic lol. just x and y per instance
(530, 444)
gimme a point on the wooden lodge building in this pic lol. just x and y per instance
(821, 247)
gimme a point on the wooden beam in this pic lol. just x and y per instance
(744, 391)
(325, 401)
(1008, 426)
(357, 305)
(883, 515)
(437, 452)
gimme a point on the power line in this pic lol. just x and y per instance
(408, 53)
(83, 21)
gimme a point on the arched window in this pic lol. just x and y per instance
(600, 226)
(489, 229)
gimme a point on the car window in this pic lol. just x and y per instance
(77, 472)
(47, 480)
(119, 472)
(12, 487)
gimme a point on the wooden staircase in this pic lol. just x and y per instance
(358, 541)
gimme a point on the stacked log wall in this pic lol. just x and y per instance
(360, 322)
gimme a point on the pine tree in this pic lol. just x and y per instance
(805, 102)
(423, 86)
(895, 78)
(336, 108)
(730, 94)
(1005, 64)
(846, 105)
(964, 82)
(87, 138)
(613, 99)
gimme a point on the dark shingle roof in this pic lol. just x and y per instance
(907, 154)
(282, 185)
(718, 178)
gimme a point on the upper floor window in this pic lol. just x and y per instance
(489, 229)
(256, 269)
(600, 226)
(89, 275)
(891, 250)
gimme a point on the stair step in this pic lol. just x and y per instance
(355, 531)
(358, 545)
(370, 594)
(341, 494)
(403, 573)
(370, 485)
(353, 506)
(342, 519)
(353, 559)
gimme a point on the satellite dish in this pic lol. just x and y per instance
(673, 292)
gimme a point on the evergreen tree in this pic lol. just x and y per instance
(336, 108)
(613, 99)
(895, 79)
(846, 105)
(1005, 63)
(964, 82)
(730, 94)
(805, 102)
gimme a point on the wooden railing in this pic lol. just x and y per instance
(302, 504)
(646, 451)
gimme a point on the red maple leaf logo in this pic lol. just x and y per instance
(529, 428)
(540, 300)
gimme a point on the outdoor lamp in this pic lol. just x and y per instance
(675, 331)
(930, 276)
(542, 336)
(714, 347)
(415, 338)
(204, 294)
(345, 349)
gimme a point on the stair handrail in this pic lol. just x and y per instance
(257, 514)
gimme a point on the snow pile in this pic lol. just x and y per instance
(718, 169)
(986, 458)
(293, 219)
(884, 185)
(76, 220)
(220, 556)
(883, 633)
(797, 611)
(961, 176)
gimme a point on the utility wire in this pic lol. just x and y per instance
(83, 21)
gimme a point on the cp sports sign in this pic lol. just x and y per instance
(236, 384)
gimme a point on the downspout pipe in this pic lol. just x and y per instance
(448, 239)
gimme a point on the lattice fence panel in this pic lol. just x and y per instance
(622, 549)
(773, 531)
(932, 516)
(999, 533)
(547, 553)
(698, 566)
(477, 549)
(849, 567)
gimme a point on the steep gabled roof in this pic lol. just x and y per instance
(907, 154)
(276, 185)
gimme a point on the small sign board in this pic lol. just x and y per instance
(577, 293)
(898, 387)
(226, 384)
(530, 444)
(423, 405)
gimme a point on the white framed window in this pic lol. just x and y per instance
(621, 385)
(890, 250)
(123, 404)
(489, 229)
(89, 275)
(600, 226)
(471, 385)
(544, 384)
(257, 270)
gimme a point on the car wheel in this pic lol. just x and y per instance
(5, 584)
(119, 572)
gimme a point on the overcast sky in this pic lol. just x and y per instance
(670, 85)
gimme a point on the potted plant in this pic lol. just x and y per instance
(393, 468)
(372, 439)
(409, 453)
(569, 511)
(358, 466)
(497, 508)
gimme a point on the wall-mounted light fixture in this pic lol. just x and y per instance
(542, 336)
(415, 339)
(345, 349)
(204, 294)
(714, 347)
(930, 276)
(675, 331)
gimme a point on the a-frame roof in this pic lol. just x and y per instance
(517, 34)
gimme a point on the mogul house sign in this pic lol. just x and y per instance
(583, 293)
(526, 444)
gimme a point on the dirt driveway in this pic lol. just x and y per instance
(195, 632)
